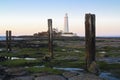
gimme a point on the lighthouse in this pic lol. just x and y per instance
(66, 26)
(66, 31)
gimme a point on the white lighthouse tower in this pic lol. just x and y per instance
(66, 26)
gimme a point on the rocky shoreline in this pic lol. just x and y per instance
(21, 74)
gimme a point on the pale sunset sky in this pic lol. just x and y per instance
(26, 17)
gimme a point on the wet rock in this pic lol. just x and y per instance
(63, 50)
(3, 58)
(85, 77)
(102, 52)
(2, 77)
(50, 77)
(71, 58)
(40, 74)
(16, 71)
(94, 68)
(2, 72)
(46, 58)
(69, 74)
(23, 78)
(1, 50)
(104, 55)
(77, 51)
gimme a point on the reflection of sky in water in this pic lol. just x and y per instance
(69, 69)
(14, 58)
(4, 38)
(107, 76)
(110, 60)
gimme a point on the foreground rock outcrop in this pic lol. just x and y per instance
(21, 74)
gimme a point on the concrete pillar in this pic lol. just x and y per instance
(50, 37)
(90, 39)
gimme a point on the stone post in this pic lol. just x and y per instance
(90, 43)
(50, 37)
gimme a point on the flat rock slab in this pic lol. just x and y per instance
(50, 77)
(16, 71)
(69, 74)
(23, 78)
(85, 77)
(40, 74)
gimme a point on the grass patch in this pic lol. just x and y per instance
(25, 52)
(65, 63)
(20, 62)
(43, 70)
(104, 66)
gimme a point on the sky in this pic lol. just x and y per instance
(26, 17)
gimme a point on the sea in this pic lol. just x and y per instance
(3, 38)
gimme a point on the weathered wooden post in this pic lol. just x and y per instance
(50, 37)
(90, 43)
(8, 40)
(10, 36)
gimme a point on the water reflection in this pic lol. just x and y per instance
(110, 60)
(108, 76)
(69, 69)
(14, 58)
